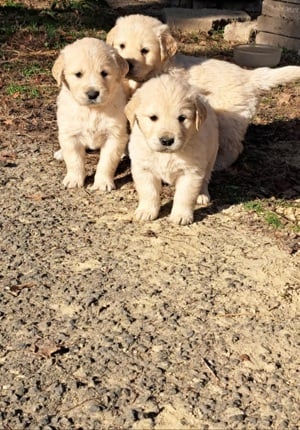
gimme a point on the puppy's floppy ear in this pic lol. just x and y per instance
(57, 69)
(122, 63)
(200, 109)
(168, 45)
(131, 107)
(110, 37)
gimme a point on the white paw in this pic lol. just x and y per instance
(73, 180)
(106, 185)
(58, 155)
(182, 218)
(203, 199)
(146, 214)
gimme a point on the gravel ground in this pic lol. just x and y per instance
(107, 323)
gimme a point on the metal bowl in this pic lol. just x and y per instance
(257, 55)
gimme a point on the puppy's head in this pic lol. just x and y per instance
(91, 70)
(145, 42)
(167, 111)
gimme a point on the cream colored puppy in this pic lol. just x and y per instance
(174, 139)
(90, 110)
(233, 92)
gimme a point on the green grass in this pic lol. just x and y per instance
(16, 90)
(272, 212)
(32, 70)
(273, 220)
(12, 3)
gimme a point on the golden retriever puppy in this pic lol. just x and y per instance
(174, 139)
(90, 110)
(149, 48)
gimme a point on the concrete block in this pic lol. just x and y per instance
(181, 3)
(116, 4)
(240, 31)
(202, 4)
(282, 26)
(277, 40)
(200, 19)
(280, 9)
(247, 5)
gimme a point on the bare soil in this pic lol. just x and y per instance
(107, 323)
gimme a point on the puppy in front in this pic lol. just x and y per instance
(234, 93)
(174, 139)
(90, 110)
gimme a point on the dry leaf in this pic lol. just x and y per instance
(36, 197)
(16, 289)
(245, 357)
(47, 347)
(5, 155)
(284, 99)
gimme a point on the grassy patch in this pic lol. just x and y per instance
(277, 213)
(17, 90)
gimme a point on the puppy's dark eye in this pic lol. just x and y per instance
(154, 118)
(181, 118)
(144, 51)
(78, 74)
(122, 45)
(104, 73)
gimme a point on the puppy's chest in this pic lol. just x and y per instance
(95, 129)
(168, 167)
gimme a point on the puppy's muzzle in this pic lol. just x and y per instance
(167, 140)
(130, 64)
(132, 70)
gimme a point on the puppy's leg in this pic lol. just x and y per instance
(110, 156)
(186, 193)
(148, 188)
(74, 154)
(204, 197)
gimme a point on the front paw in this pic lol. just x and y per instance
(73, 180)
(203, 199)
(106, 185)
(58, 155)
(146, 214)
(182, 218)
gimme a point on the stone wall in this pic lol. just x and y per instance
(279, 24)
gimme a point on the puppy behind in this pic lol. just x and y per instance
(90, 110)
(174, 139)
(233, 92)
(146, 43)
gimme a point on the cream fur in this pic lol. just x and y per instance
(233, 92)
(174, 139)
(90, 110)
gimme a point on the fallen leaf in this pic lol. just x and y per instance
(245, 357)
(284, 99)
(47, 347)
(5, 155)
(8, 121)
(16, 289)
(36, 197)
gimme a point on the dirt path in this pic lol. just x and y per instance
(107, 323)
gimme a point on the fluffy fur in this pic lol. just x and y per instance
(90, 110)
(149, 48)
(174, 139)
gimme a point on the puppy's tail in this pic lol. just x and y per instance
(265, 78)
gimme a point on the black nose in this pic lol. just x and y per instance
(130, 64)
(166, 141)
(92, 94)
